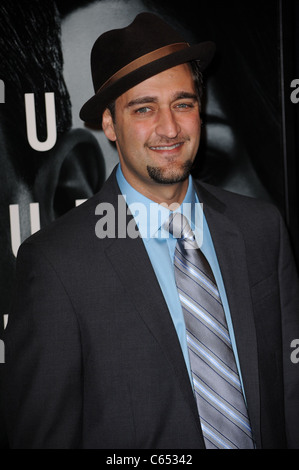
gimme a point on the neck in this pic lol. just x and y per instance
(161, 193)
(167, 193)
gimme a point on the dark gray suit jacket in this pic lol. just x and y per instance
(92, 356)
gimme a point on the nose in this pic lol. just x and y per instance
(167, 125)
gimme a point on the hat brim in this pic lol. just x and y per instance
(91, 112)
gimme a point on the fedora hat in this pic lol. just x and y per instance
(122, 58)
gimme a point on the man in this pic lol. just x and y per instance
(104, 347)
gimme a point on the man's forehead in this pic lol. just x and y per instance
(175, 83)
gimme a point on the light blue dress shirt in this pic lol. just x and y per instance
(160, 245)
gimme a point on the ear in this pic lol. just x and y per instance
(108, 125)
(74, 169)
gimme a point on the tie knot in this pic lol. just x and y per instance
(179, 227)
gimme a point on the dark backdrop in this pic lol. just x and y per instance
(250, 138)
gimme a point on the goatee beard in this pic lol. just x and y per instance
(176, 176)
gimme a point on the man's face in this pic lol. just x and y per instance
(157, 130)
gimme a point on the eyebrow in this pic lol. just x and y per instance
(142, 100)
(153, 99)
(182, 95)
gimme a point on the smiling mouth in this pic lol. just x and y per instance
(167, 147)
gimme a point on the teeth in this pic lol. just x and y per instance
(166, 147)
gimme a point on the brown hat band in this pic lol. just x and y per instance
(144, 60)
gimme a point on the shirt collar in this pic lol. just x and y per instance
(149, 215)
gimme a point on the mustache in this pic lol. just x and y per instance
(166, 141)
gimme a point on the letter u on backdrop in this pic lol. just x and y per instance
(31, 122)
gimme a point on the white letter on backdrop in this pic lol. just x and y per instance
(15, 229)
(31, 122)
(2, 92)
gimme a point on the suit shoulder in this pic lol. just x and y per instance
(76, 228)
(238, 205)
(66, 225)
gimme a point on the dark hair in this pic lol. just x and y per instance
(198, 81)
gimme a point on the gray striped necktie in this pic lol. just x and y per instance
(220, 402)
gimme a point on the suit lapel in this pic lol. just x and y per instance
(231, 253)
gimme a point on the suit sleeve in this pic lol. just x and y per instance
(289, 298)
(42, 389)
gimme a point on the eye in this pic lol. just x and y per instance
(184, 105)
(143, 110)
